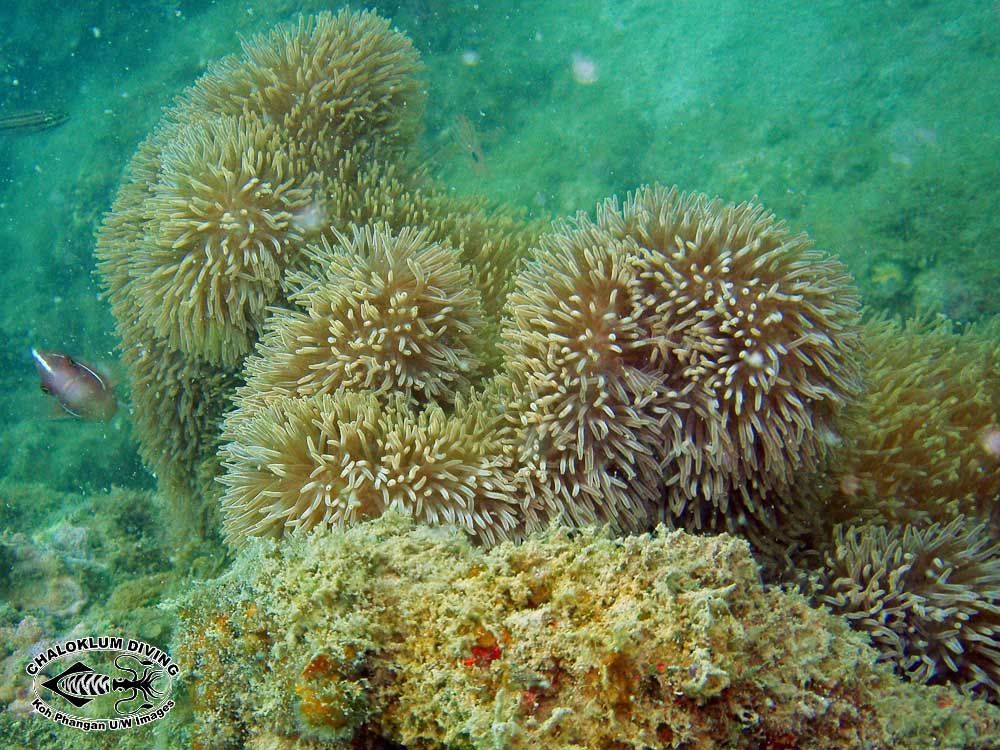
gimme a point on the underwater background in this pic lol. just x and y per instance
(874, 127)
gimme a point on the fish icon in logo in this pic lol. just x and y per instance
(79, 684)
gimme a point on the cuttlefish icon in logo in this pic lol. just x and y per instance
(79, 685)
(111, 683)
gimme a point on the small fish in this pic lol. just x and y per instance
(466, 136)
(33, 120)
(79, 388)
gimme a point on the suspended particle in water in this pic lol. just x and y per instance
(585, 70)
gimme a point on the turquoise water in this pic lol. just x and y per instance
(875, 128)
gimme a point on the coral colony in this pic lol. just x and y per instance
(321, 338)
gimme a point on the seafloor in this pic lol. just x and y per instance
(873, 127)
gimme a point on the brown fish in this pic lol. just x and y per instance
(79, 388)
(33, 120)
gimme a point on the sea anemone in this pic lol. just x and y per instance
(756, 333)
(221, 229)
(490, 239)
(330, 82)
(380, 312)
(335, 460)
(924, 441)
(681, 356)
(585, 401)
(177, 410)
(929, 598)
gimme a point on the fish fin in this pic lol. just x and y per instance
(60, 412)
(108, 374)
(99, 371)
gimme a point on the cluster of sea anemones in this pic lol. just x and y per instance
(334, 460)
(386, 346)
(281, 149)
(916, 563)
(232, 185)
(221, 200)
(692, 380)
(360, 398)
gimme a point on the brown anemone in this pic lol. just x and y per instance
(334, 460)
(757, 334)
(392, 314)
(585, 401)
(331, 82)
(924, 441)
(225, 217)
(681, 348)
(929, 598)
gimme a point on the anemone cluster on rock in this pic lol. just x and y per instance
(630, 390)
(679, 359)
(220, 200)
(303, 136)
(381, 345)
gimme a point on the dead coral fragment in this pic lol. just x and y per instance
(928, 597)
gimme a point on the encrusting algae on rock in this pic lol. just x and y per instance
(391, 631)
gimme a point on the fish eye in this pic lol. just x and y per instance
(46, 389)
